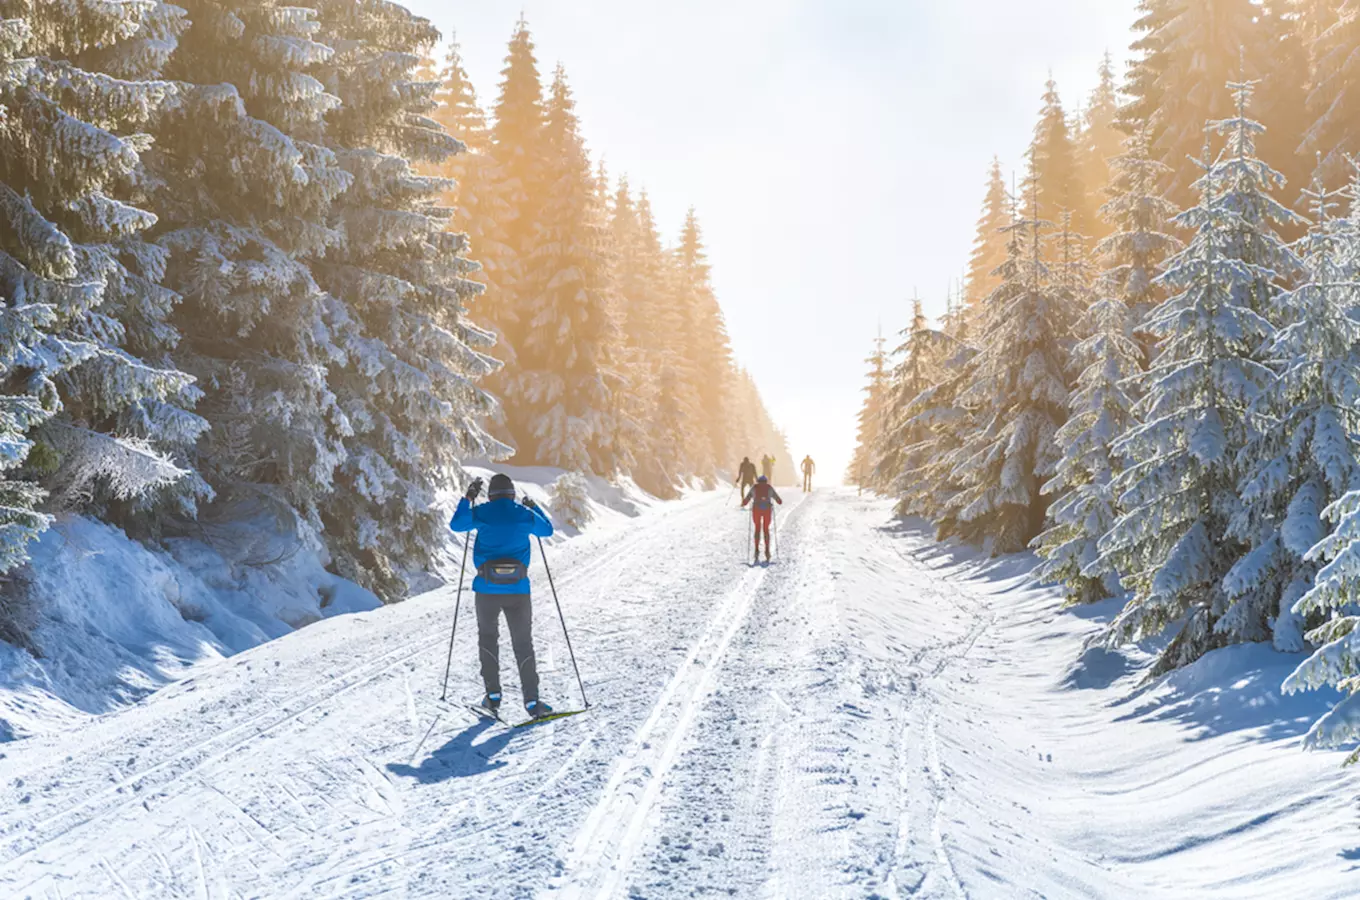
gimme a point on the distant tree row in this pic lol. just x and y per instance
(616, 353)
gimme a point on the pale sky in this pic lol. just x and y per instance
(835, 151)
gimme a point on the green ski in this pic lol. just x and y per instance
(538, 720)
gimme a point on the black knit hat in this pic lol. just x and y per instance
(500, 486)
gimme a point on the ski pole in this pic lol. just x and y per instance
(457, 604)
(563, 620)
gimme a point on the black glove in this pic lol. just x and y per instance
(529, 502)
(474, 490)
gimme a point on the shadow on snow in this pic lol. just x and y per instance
(460, 757)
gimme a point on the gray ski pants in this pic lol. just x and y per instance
(519, 616)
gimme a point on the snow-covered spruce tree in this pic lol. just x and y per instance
(1196, 48)
(1306, 457)
(1018, 389)
(569, 500)
(919, 368)
(1334, 96)
(1053, 179)
(1282, 99)
(1247, 185)
(1107, 359)
(85, 311)
(662, 382)
(518, 165)
(989, 244)
(559, 398)
(1139, 244)
(243, 189)
(635, 400)
(1099, 411)
(476, 195)
(1071, 269)
(1142, 88)
(931, 431)
(708, 347)
(1178, 491)
(1100, 140)
(412, 360)
(1331, 599)
(871, 416)
(1271, 477)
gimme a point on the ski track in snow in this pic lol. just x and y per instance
(874, 715)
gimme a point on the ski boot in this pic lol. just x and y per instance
(492, 704)
(537, 709)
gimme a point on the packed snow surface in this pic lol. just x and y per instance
(873, 715)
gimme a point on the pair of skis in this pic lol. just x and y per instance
(485, 713)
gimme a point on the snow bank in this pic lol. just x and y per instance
(110, 620)
(607, 505)
(1192, 785)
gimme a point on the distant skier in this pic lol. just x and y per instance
(767, 466)
(746, 474)
(808, 468)
(762, 498)
(501, 554)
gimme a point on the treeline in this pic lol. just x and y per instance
(225, 287)
(1152, 372)
(615, 350)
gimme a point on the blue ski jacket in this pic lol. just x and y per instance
(503, 531)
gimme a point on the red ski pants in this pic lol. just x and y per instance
(762, 518)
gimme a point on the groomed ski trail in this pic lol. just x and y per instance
(872, 715)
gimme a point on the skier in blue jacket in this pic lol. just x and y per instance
(501, 554)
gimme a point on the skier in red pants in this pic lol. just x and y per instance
(762, 510)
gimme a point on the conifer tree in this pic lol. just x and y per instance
(1100, 141)
(412, 360)
(1054, 176)
(1307, 457)
(1334, 96)
(989, 244)
(1100, 410)
(1139, 243)
(1326, 302)
(871, 415)
(243, 190)
(558, 398)
(931, 431)
(476, 195)
(519, 156)
(1204, 45)
(708, 348)
(1282, 98)
(631, 293)
(1107, 360)
(921, 366)
(680, 435)
(86, 337)
(1143, 84)
(1018, 388)
(1178, 491)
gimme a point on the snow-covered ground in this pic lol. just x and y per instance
(874, 715)
(107, 620)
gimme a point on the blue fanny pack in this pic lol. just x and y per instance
(503, 571)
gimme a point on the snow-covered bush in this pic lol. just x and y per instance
(568, 500)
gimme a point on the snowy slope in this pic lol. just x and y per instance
(873, 715)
